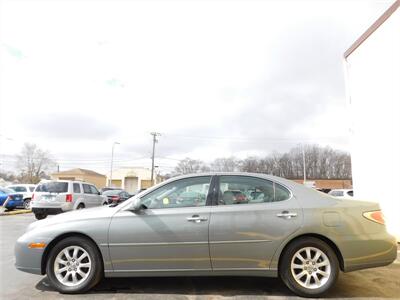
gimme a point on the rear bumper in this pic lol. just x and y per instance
(13, 203)
(51, 208)
(47, 211)
(370, 251)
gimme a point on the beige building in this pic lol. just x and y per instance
(99, 180)
(131, 179)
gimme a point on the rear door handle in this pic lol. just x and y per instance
(196, 219)
(286, 215)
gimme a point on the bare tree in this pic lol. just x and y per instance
(229, 164)
(188, 165)
(33, 163)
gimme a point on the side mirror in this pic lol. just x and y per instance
(137, 206)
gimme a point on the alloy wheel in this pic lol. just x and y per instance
(72, 266)
(310, 267)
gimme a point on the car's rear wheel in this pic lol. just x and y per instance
(80, 206)
(27, 203)
(74, 265)
(309, 267)
(40, 216)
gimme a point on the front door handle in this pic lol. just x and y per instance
(286, 215)
(196, 219)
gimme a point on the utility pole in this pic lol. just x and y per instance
(154, 134)
(112, 160)
(304, 163)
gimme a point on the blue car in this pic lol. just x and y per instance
(16, 200)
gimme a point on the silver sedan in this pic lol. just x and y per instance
(209, 225)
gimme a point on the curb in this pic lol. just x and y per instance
(15, 212)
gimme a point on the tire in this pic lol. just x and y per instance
(80, 206)
(320, 268)
(27, 203)
(90, 257)
(40, 216)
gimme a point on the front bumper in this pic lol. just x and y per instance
(27, 259)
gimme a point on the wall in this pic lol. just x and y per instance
(373, 83)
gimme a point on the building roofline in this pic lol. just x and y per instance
(372, 28)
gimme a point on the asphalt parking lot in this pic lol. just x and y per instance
(378, 283)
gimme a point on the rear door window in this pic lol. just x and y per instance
(235, 189)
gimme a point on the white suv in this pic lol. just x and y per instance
(53, 197)
(26, 190)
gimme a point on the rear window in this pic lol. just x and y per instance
(53, 187)
(112, 192)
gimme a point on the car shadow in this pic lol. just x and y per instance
(348, 286)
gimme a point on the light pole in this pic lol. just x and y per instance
(112, 159)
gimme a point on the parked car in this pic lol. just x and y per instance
(116, 196)
(301, 235)
(54, 197)
(342, 193)
(105, 189)
(26, 190)
(14, 199)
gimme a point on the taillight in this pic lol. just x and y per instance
(11, 197)
(33, 197)
(375, 216)
(68, 198)
(114, 198)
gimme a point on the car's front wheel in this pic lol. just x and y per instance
(74, 265)
(309, 267)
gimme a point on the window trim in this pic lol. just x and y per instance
(215, 203)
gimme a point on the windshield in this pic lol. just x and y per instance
(7, 191)
(53, 187)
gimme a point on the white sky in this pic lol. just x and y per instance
(216, 78)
